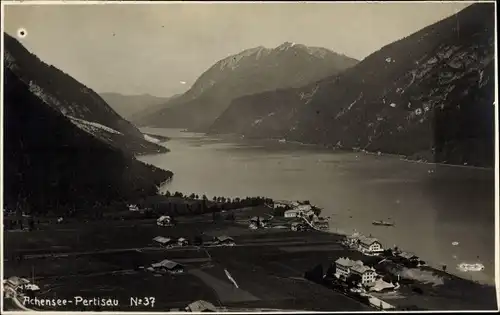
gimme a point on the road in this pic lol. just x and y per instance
(187, 248)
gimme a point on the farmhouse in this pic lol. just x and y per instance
(299, 226)
(15, 283)
(163, 241)
(408, 256)
(201, 306)
(321, 224)
(259, 221)
(164, 220)
(168, 266)
(224, 240)
(134, 208)
(182, 242)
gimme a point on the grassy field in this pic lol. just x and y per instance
(267, 264)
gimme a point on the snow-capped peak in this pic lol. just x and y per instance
(285, 46)
(232, 61)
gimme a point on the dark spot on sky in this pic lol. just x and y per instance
(317, 112)
(22, 33)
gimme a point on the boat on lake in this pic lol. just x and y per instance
(383, 223)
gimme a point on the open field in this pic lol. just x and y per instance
(100, 259)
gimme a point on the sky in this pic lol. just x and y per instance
(161, 49)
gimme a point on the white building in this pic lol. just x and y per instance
(344, 267)
(367, 274)
(133, 208)
(281, 203)
(370, 245)
(293, 213)
(300, 210)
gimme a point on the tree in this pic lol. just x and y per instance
(315, 274)
(388, 253)
(168, 194)
(353, 280)
(215, 199)
(31, 224)
(204, 205)
(198, 240)
(192, 196)
(444, 268)
(317, 211)
(330, 272)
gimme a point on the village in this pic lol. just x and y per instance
(284, 243)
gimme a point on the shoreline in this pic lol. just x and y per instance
(432, 266)
(365, 152)
(160, 138)
(248, 241)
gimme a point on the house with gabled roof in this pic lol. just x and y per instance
(344, 267)
(200, 306)
(163, 241)
(370, 245)
(168, 266)
(224, 240)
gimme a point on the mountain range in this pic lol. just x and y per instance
(251, 71)
(429, 96)
(64, 147)
(133, 106)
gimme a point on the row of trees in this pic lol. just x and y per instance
(191, 205)
(218, 199)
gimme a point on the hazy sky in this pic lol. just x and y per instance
(151, 48)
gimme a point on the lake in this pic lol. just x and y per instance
(432, 205)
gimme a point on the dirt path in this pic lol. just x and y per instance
(225, 290)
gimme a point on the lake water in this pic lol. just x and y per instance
(432, 205)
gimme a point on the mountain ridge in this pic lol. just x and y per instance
(247, 72)
(129, 106)
(411, 97)
(55, 162)
(72, 98)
